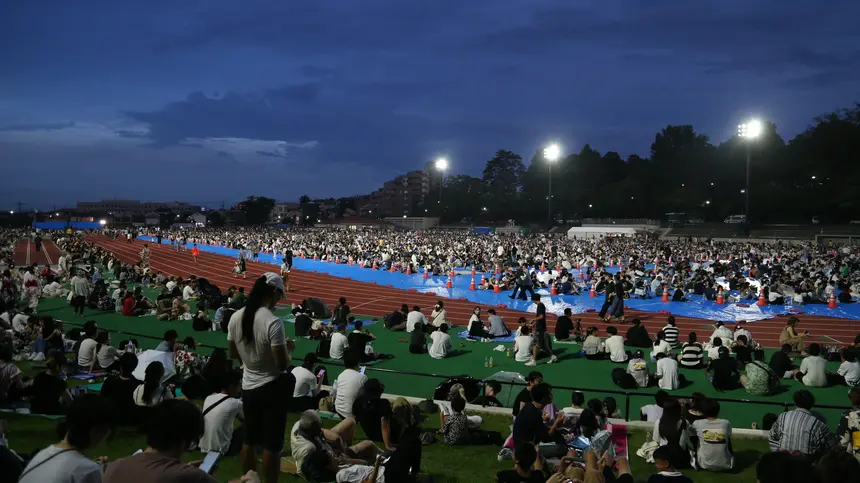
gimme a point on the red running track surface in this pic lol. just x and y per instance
(49, 255)
(376, 301)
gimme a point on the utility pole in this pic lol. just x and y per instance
(19, 204)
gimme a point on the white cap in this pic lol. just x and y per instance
(274, 280)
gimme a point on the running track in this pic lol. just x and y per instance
(26, 254)
(377, 301)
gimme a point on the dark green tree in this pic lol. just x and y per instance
(502, 175)
(256, 209)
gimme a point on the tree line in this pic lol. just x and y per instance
(815, 174)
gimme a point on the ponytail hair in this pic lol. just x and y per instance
(260, 293)
(152, 379)
(101, 339)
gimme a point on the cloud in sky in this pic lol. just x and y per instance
(336, 96)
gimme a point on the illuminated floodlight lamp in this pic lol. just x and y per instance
(552, 152)
(750, 129)
(441, 164)
(102, 222)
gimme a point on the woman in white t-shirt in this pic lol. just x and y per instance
(660, 346)
(438, 316)
(441, 345)
(523, 345)
(152, 391)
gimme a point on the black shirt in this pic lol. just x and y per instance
(529, 427)
(369, 414)
(485, 400)
(523, 397)
(45, 394)
(743, 353)
(120, 391)
(540, 325)
(511, 476)
(725, 373)
(394, 319)
(781, 363)
(563, 327)
(637, 336)
(416, 337)
(303, 325)
(357, 342)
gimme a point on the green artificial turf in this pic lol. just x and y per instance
(592, 376)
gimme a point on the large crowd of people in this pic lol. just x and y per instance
(548, 441)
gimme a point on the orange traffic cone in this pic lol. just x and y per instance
(374, 265)
(408, 269)
(720, 299)
(558, 268)
(665, 297)
(351, 262)
(593, 292)
(392, 269)
(472, 284)
(552, 290)
(496, 288)
(316, 258)
(426, 273)
(595, 264)
(473, 270)
(450, 283)
(542, 267)
(580, 275)
(831, 303)
(761, 300)
(452, 274)
(483, 280)
(336, 261)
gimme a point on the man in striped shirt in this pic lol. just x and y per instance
(671, 332)
(801, 431)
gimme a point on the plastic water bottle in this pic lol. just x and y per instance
(486, 362)
(491, 362)
(129, 348)
(508, 353)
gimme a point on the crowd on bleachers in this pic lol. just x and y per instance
(546, 443)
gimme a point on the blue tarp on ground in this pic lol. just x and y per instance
(62, 225)
(578, 304)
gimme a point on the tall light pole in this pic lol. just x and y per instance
(551, 153)
(441, 166)
(749, 130)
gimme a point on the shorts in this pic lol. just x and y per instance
(265, 409)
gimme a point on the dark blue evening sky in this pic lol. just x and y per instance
(214, 100)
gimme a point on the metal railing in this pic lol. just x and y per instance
(628, 395)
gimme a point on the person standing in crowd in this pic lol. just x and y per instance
(255, 337)
(542, 342)
(80, 293)
(89, 421)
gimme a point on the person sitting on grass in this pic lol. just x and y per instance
(529, 424)
(121, 388)
(441, 344)
(525, 457)
(758, 378)
(801, 431)
(668, 377)
(418, 339)
(714, 445)
(175, 425)
(106, 356)
(813, 369)
(660, 346)
(339, 345)
(488, 399)
(653, 412)
(849, 371)
(781, 363)
(637, 335)
(90, 420)
(328, 454)
(782, 467)
(152, 392)
(638, 368)
(615, 346)
(523, 346)
(459, 430)
(309, 380)
(593, 346)
(723, 372)
(168, 344)
(219, 412)
(359, 343)
(396, 321)
(666, 472)
(692, 353)
(49, 393)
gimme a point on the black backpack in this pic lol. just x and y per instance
(622, 379)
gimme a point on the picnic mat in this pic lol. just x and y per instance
(365, 323)
(97, 387)
(329, 360)
(465, 335)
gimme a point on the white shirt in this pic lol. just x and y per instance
(306, 382)
(339, 344)
(439, 317)
(187, 292)
(19, 322)
(413, 318)
(440, 346)
(638, 368)
(86, 351)
(523, 348)
(347, 388)
(662, 348)
(67, 467)
(667, 370)
(652, 412)
(170, 285)
(256, 354)
(851, 372)
(160, 394)
(218, 422)
(615, 346)
(815, 368)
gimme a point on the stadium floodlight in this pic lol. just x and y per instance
(552, 153)
(441, 164)
(749, 130)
